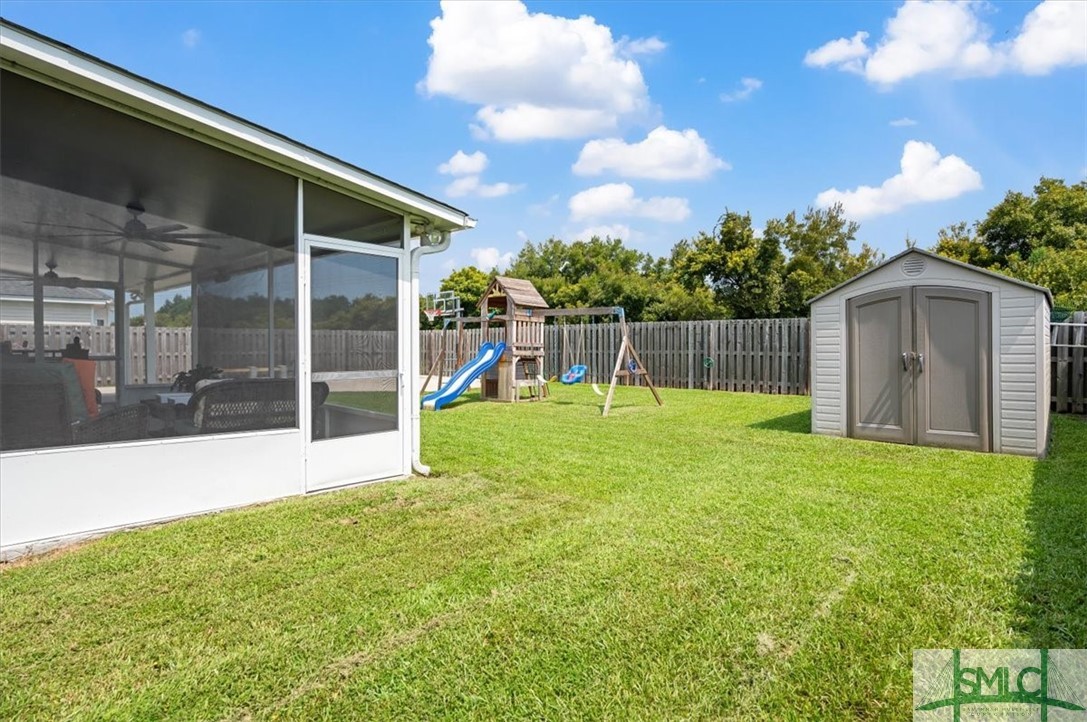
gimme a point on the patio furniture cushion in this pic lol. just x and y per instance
(85, 370)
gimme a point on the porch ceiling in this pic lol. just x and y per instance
(66, 161)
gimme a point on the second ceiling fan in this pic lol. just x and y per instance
(161, 238)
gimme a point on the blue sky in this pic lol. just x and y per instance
(645, 119)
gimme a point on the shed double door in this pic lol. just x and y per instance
(918, 369)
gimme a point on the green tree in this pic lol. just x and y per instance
(1053, 217)
(1040, 238)
(742, 269)
(1062, 271)
(819, 256)
(958, 241)
(469, 283)
(605, 272)
(175, 312)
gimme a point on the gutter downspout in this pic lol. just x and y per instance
(416, 434)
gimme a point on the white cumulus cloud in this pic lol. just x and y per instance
(926, 176)
(927, 36)
(641, 46)
(470, 185)
(618, 200)
(747, 87)
(903, 122)
(463, 164)
(534, 75)
(1054, 34)
(490, 257)
(843, 51)
(664, 155)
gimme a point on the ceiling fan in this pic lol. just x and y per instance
(50, 277)
(57, 280)
(161, 238)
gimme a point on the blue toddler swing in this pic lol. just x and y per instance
(576, 373)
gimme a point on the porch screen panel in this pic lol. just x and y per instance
(335, 215)
(110, 211)
(354, 343)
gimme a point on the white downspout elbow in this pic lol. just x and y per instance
(416, 434)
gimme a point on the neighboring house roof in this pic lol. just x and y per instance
(42, 54)
(930, 254)
(16, 288)
(518, 290)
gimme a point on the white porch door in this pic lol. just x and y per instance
(355, 335)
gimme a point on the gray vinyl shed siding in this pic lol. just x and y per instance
(1018, 372)
(828, 396)
(1020, 363)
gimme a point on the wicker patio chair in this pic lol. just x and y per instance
(126, 423)
(246, 405)
(38, 415)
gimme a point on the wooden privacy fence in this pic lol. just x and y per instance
(1069, 364)
(763, 355)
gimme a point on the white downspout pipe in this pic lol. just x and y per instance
(416, 433)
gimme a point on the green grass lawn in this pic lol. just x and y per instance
(705, 560)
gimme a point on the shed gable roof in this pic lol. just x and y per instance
(942, 259)
(518, 290)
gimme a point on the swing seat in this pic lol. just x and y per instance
(574, 375)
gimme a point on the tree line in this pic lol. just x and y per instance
(737, 270)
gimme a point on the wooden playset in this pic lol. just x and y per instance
(515, 305)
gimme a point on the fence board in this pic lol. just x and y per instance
(1069, 364)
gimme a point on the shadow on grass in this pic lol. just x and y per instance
(797, 423)
(1052, 585)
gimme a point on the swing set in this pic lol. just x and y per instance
(628, 364)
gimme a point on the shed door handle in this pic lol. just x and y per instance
(920, 363)
(906, 361)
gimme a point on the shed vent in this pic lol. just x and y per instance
(913, 266)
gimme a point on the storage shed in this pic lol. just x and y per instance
(926, 350)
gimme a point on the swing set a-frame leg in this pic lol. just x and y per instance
(645, 372)
(615, 375)
(627, 347)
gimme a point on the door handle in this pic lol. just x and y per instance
(920, 363)
(906, 361)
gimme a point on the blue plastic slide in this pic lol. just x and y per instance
(460, 381)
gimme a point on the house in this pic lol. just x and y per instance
(69, 306)
(930, 351)
(303, 275)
